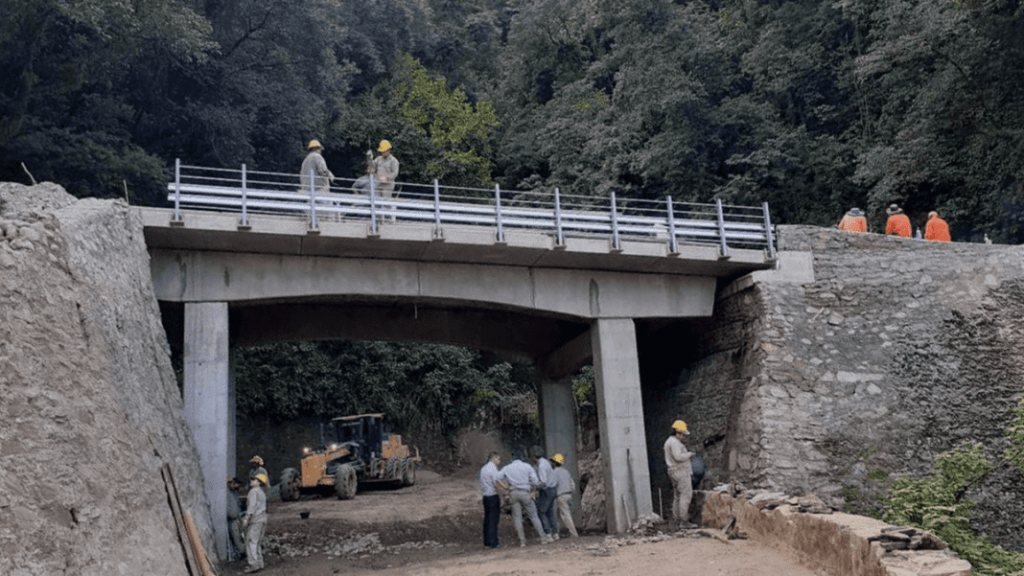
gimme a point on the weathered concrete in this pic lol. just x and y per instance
(218, 232)
(209, 405)
(620, 411)
(202, 276)
(558, 421)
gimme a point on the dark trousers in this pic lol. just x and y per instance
(492, 513)
(546, 509)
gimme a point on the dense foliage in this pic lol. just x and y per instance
(421, 387)
(811, 106)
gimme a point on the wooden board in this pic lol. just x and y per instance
(179, 519)
(197, 546)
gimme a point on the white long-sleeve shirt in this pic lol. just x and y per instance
(546, 474)
(519, 476)
(566, 485)
(489, 475)
(675, 453)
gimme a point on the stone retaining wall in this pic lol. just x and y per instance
(862, 358)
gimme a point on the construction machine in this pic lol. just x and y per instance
(362, 451)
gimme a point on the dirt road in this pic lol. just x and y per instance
(433, 528)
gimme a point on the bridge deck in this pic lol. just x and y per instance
(240, 211)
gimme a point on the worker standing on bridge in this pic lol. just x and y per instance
(492, 502)
(314, 165)
(548, 493)
(677, 458)
(936, 230)
(854, 221)
(566, 486)
(255, 522)
(898, 222)
(520, 478)
(384, 169)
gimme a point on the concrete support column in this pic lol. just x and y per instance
(209, 406)
(558, 418)
(621, 416)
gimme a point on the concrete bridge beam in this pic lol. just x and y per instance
(621, 416)
(210, 405)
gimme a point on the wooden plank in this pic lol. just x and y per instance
(179, 520)
(197, 546)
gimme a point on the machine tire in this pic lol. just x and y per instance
(408, 472)
(345, 482)
(290, 484)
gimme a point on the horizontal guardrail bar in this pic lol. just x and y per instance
(253, 192)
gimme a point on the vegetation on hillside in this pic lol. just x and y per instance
(811, 106)
(938, 503)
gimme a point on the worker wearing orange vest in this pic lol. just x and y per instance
(898, 222)
(854, 221)
(936, 229)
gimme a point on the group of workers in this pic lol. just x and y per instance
(518, 481)
(247, 526)
(898, 224)
(383, 169)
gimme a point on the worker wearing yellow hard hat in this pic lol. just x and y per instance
(254, 523)
(384, 169)
(257, 467)
(563, 494)
(314, 175)
(677, 459)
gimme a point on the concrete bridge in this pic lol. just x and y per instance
(553, 284)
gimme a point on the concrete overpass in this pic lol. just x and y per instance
(560, 301)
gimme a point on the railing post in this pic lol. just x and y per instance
(497, 213)
(244, 222)
(176, 219)
(313, 224)
(723, 247)
(615, 225)
(438, 231)
(673, 244)
(559, 236)
(768, 232)
(373, 206)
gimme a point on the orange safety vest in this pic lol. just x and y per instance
(854, 223)
(898, 224)
(937, 230)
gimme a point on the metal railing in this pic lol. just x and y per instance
(561, 215)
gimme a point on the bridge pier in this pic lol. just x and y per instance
(558, 418)
(209, 398)
(621, 416)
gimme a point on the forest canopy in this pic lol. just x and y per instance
(814, 107)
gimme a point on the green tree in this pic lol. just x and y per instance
(457, 129)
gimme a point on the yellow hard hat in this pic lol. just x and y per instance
(384, 146)
(263, 478)
(558, 458)
(257, 460)
(680, 426)
(313, 144)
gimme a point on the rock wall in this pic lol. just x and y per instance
(89, 405)
(833, 383)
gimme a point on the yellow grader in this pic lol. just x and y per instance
(362, 452)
